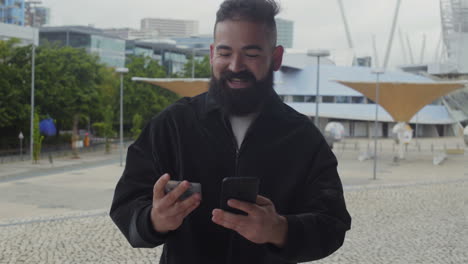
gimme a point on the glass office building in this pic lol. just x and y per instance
(12, 12)
(110, 50)
(285, 29)
(200, 42)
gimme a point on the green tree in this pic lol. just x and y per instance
(67, 85)
(202, 68)
(38, 138)
(104, 128)
(73, 88)
(136, 128)
(15, 87)
(142, 98)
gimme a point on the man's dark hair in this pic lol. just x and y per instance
(258, 11)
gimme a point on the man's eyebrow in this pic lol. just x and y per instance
(223, 47)
(250, 47)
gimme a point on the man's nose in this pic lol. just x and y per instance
(236, 64)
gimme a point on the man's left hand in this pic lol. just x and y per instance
(261, 225)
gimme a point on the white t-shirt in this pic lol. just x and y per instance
(240, 125)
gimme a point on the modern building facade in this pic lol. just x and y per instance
(26, 35)
(131, 34)
(339, 103)
(36, 16)
(12, 12)
(172, 57)
(109, 49)
(170, 27)
(200, 43)
(285, 29)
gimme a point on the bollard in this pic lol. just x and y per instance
(51, 160)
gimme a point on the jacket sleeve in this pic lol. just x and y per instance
(319, 226)
(133, 196)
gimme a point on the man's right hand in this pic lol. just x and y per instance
(168, 212)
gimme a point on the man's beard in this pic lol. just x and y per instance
(241, 101)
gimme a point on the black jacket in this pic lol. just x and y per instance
(192, 140)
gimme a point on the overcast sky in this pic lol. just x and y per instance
(318, 23)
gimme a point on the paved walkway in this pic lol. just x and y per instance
(414, 212)
(25, 169)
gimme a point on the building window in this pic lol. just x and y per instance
(357, 99)
(328, 99)
(343, 99)
(310, 99)
(298, 98)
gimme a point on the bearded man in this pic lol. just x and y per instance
(239, 128)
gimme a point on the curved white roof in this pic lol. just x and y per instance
(303, 82)
(290, 81)
(430, 114)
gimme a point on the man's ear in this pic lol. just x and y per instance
(211, 53)
(278, 57)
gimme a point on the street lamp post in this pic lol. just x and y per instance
(377, 72)
(32, 96)
(21, 137)
(193, 63)
(33, 62)
(122, 71)
(318, 54)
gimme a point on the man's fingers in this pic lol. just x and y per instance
(228, 220)
(249, 208)
(262, 201)
(192, 206)
(172, 197)
(183, 206)
(158, 189)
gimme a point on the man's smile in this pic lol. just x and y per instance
(238, 83)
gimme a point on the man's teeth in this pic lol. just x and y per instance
(237, 80)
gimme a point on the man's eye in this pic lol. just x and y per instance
(252, 55)
(224, 54)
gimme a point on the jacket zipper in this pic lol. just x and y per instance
(236, 170)
(234, 144)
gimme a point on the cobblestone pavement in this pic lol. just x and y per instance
(414, 212)
(406, 224)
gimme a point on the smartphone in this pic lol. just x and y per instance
(239, 188)
(194, 188)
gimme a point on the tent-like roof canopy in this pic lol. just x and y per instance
(403, 100)
(182, 87)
